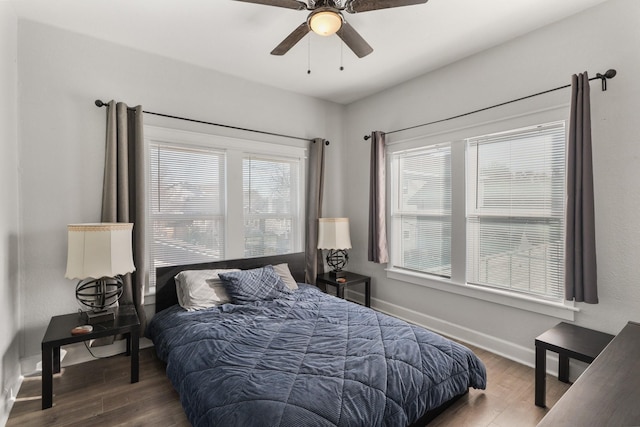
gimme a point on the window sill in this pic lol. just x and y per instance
(561, 310)
(150, 297)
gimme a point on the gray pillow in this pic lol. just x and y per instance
(258, 284)
(283, 271)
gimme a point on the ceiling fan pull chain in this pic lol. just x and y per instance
(341, 55)
(309, 55)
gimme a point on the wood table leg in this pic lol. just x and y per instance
(367, 293)
(541, 372)
(563, 368)
(56, 360)
(128, 348)
(135, 362)
(47, 376)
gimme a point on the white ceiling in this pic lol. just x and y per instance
(236, 37)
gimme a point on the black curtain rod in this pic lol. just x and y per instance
(99, 103)
(608, 75)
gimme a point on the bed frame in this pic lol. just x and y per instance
(166, 295)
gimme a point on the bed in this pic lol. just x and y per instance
(301, 357)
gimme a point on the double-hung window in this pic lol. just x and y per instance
(485, 211)
(270, 205)
(186, 204)
(515, 210)
(422, 209)
(212, 197)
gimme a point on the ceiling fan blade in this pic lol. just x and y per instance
(289, 4)
(291, 39)
(356, 6)
(354, 41)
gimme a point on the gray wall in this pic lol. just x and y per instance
(9, 254)
(62, 141)
(535, 62)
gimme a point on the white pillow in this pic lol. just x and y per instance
(200, 289)
(283, 271)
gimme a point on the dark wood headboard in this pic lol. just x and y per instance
(166, 286)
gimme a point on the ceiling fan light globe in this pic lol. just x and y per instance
(325, 23)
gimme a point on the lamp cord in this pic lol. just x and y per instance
(87, 345)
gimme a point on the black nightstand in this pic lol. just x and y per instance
(350, 279)
(569, 341)
(59, 333)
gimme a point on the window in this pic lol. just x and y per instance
(213, 197)
(270, 205)
(515, 210)
(186, 209)
(485, 211)
(422, 211)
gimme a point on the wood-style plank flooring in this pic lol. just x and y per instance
(99, 393)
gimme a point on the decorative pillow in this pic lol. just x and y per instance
(283, 271)
(200, 289)
(258, 284)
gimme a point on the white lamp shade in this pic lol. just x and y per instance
(333, 233)
(325, 23)
(99, 250)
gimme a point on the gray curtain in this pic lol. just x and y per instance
(315, 188)
(580, 269)
(123, 195)
(377, 201)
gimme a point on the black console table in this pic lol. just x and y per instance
(607, 393)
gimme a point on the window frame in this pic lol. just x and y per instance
(457, 284)
(235, 151)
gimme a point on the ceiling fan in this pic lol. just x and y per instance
(326, 19)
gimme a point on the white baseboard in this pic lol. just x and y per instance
(9, 397)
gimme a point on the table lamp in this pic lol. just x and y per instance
(333, 234)
(98, 255)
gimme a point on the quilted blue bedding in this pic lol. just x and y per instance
(308, 360)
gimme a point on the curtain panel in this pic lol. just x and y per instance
(377, 248)
(580, 258)
(124, 197)
(315, 189)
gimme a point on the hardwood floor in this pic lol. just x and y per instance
(99, 393)
(508, 400)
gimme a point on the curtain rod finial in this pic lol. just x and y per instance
(367, 137)
(609, 74)
(99, 103)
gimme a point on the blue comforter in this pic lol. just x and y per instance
(310, 360)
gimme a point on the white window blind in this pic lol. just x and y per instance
(422, 211)
(270, 205)
(515, 210)
(187, 205)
